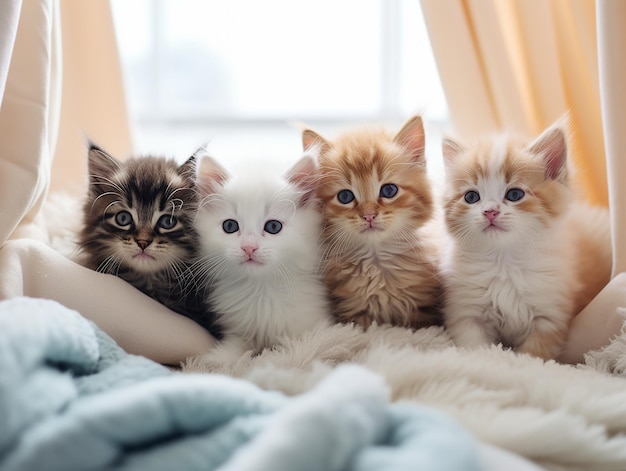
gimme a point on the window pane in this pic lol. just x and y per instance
(276, 59)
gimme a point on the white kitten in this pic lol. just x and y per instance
(259, 236)
(519, 267)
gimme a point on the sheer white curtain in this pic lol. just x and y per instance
(34, 115)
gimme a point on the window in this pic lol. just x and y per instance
(238, 72)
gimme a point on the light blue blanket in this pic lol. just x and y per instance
(71, 399)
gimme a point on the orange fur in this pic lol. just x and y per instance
(521, 284)
(385, 273)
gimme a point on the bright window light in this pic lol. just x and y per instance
(197, 67)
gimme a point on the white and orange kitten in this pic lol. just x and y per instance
(526, 255)
(380, 261)
(259, 237)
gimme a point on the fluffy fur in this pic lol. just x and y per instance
(380, 264)
(138, 225)
(525, 255)
(265, 282)
(559, 416)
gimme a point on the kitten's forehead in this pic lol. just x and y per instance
(254, 197)
(366, 159)
(499, 158)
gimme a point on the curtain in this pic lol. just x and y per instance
(522, 64)
(48, 102)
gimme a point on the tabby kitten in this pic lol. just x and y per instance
(525, 256)
(380, 263)
(259, 234)
(138, 225)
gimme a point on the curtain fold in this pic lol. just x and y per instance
(94, 104)
(612, 60)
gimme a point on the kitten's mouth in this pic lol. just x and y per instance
(143, 256)
(251, 262)
(493, 228)
(371, 228)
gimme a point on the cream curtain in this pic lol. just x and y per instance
(524, 63)
(59, 81)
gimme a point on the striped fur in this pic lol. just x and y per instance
(152, 256)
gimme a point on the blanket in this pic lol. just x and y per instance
(561, 417)
(72, 399)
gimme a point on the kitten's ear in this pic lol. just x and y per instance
(450, 149)
(412, 138)
(304, 176)
(551, 145)
(313, 142)
(210, 176)
(100, 164)
(188, 170)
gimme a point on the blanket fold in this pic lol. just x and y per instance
(75, 401)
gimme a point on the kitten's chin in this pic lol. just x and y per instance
(494, 229)
(252, 266)
(145, 263)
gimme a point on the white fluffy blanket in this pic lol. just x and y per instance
(559, 416)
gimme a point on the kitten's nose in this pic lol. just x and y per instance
(143, 243)
(491, 214)
(369, 217)
(249, 249)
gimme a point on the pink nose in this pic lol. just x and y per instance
(249, 249)
(491, 214)
(370, 216)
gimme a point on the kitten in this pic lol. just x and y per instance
(380, 262)
(259, 241)
(138, 225)
(525, 256)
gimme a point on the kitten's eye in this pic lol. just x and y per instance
(345, 196)
(167, 222)
(272, 226)
(123, 218)
(514, 194)
(230, 226)
(472, 197)
(388, 190)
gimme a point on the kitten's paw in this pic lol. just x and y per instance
(227, 356)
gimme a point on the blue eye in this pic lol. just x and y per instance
(123, 218)
(472, 197)
(167, 221)
(388, 190)
(514, 194)
(272, 226)
(345, 196)
(230, 226)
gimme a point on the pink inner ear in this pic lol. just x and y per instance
(210, 176)
(552, 146)
(304, 176)
(412, 137)
(450, 149)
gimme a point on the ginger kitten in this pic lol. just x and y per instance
(525, 255)
(379, 263)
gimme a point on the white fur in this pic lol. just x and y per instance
(505, 285)
(561, 417)
(501, 293)
(282, 294)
